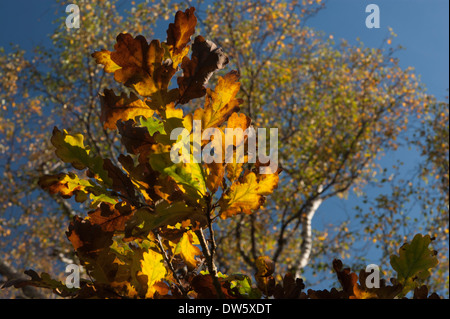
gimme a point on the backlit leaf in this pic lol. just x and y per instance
(206, 58)
(71, 149)
(247, 195)
(121, 107)
(221, 102)
(415, 260)
(153, 267)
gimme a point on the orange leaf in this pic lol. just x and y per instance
(179, 34)
(221, 102)
(122, 107)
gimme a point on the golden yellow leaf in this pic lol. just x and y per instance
(188, 251)
(153, 267)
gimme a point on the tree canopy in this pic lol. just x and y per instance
(103, 101)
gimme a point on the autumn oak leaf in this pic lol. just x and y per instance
(179, 35)
(206, 58)
(248, 194)
(122, 107)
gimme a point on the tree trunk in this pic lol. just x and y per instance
(306, 235)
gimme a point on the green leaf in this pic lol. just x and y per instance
(153, 125)
(188, 175)
(68, 185)
(71, 149)
(243, 284)
(165, 214)
(414, 261)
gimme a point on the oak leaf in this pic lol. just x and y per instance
(221, 102)
(165, 214)
(153, 267)
(87, 238)
(121, 107)
(414, 261)
(136, 140)
(214, 178)
(188, 250)
(206, 58)
(204, 287)
(179, 35)
(291, 288)
(141, 64)
(66, 185)
(42, 281)
(248, 194)
(264, 275)
(71, 149)
(111, 218)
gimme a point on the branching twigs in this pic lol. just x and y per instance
(209, 262)
(209, 252)
(169, 264)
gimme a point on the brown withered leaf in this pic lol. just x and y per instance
(204, 287)
(264, 275)
(422, 293)
(215, 176)
(206, 58)
(88, 239)
(167, 188)
(179, 34)
(137, 140)
(383, 292)
(111, 218)
(42, 281)
(137, 64)
(121, 107)
(143, 176)
(349, 283)
(347, 279)
(291, 288)
(120, 181)
(325, 294)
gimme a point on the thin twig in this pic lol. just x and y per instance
(169, 264)
(209, 262)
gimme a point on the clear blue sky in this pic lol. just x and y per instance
(422, 27)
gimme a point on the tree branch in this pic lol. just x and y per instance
(209, 262)
(10, 273)
(169, 264)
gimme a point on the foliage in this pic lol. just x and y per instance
(55, 84)
(320, 95)
(339, 108)
(141, 237)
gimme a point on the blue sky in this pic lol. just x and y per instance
(422, 27)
